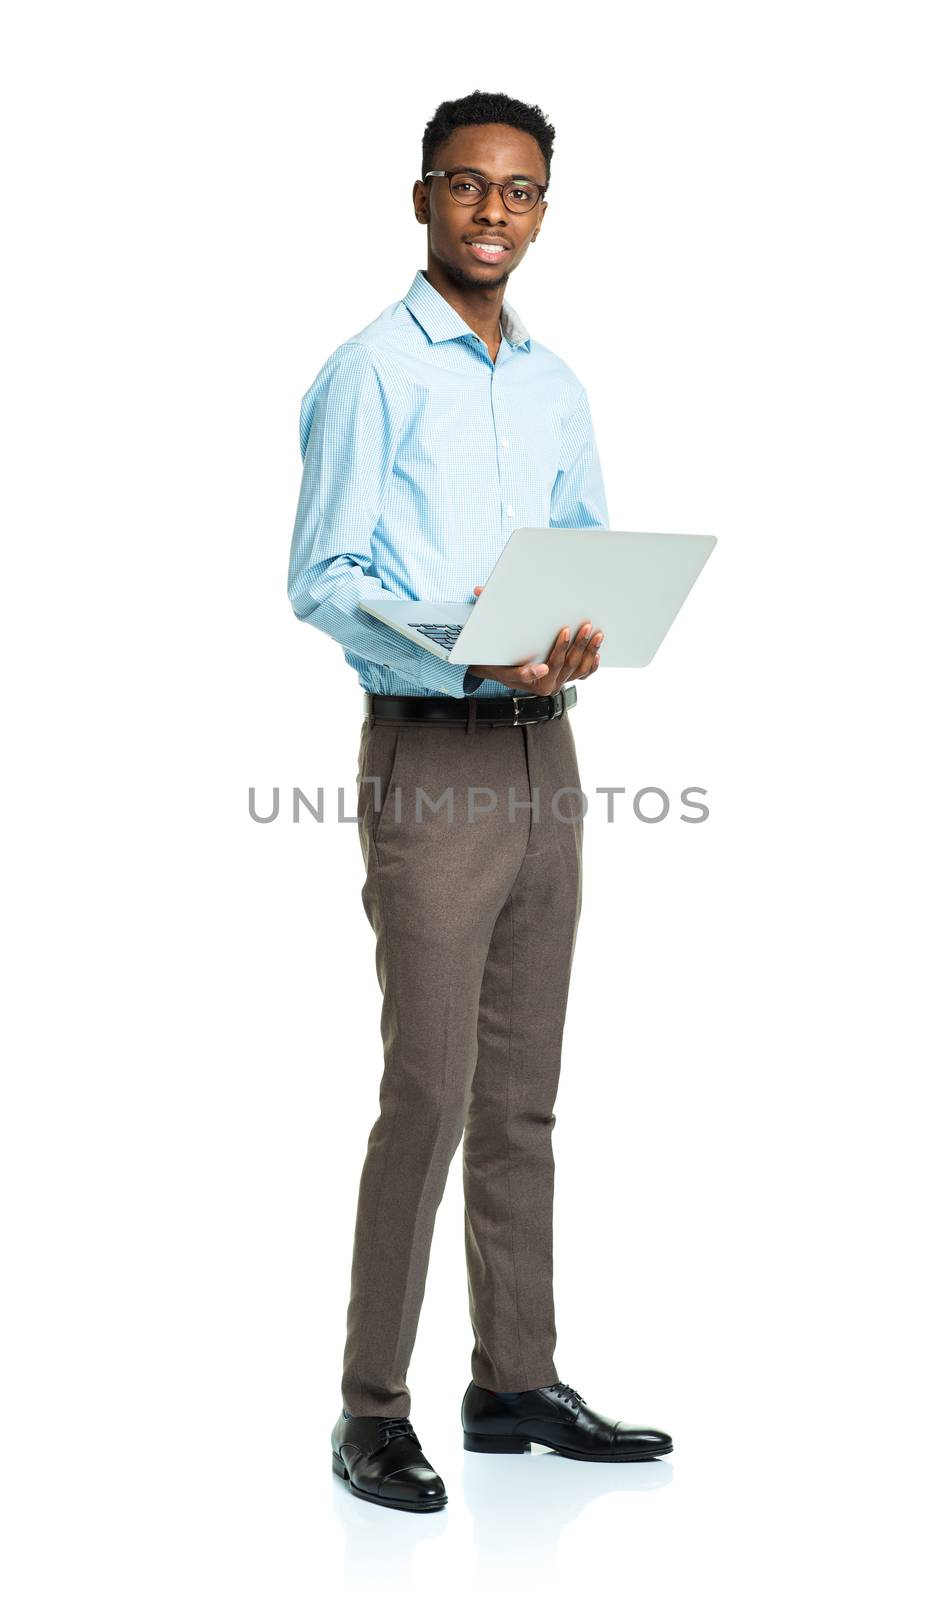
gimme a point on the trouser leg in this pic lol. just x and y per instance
(508, 1161)
(433, 893)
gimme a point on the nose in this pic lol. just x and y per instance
(492, 210)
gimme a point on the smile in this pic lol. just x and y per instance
(487, 252)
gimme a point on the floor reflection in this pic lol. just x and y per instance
(508, 1512)
(521, 1504)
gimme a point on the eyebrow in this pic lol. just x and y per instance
(525, 178)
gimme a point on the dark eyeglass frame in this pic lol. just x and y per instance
(509, 183)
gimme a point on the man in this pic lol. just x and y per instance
(426, 438)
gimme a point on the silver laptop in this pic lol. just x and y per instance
(632, 585)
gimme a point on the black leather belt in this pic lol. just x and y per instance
(494, 711)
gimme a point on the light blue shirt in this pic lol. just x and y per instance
(420, 457)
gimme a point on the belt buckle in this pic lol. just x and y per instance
(528, 722)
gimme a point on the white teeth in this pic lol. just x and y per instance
(494, 249)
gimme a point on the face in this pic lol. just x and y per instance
(498, 152)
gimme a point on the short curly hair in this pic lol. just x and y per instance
(481, 107)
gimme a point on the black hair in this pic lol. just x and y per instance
(481, 107)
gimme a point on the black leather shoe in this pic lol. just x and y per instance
(383, 1462)
(558, 1417)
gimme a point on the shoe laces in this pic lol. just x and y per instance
(394, 1428)
(568, 1393)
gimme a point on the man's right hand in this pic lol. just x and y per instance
(567, 660)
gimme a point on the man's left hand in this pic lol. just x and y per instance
(567, 661)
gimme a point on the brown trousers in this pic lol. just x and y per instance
(475, 915)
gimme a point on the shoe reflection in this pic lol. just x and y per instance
(520, 1504)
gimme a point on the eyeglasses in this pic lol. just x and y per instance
(470, 187)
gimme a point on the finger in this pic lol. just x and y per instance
(478, 588)
(529, 667)
(589, 657)
(563, 659)
(534, 672)
(579, 645)
(558, 649)
(582, 636)
(540, 674)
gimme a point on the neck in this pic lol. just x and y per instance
(478, 304)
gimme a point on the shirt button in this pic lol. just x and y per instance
(510, 511)
(504, 443)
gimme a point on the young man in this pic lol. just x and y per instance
(426, 438)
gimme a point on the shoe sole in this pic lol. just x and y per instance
(339, 1467)
(485, 1444)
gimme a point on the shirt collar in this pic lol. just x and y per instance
(441, 321)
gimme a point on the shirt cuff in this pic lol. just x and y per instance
(437, 676)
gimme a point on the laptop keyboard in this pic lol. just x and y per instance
(443, 633)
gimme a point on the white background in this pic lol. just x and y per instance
(744, 260)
